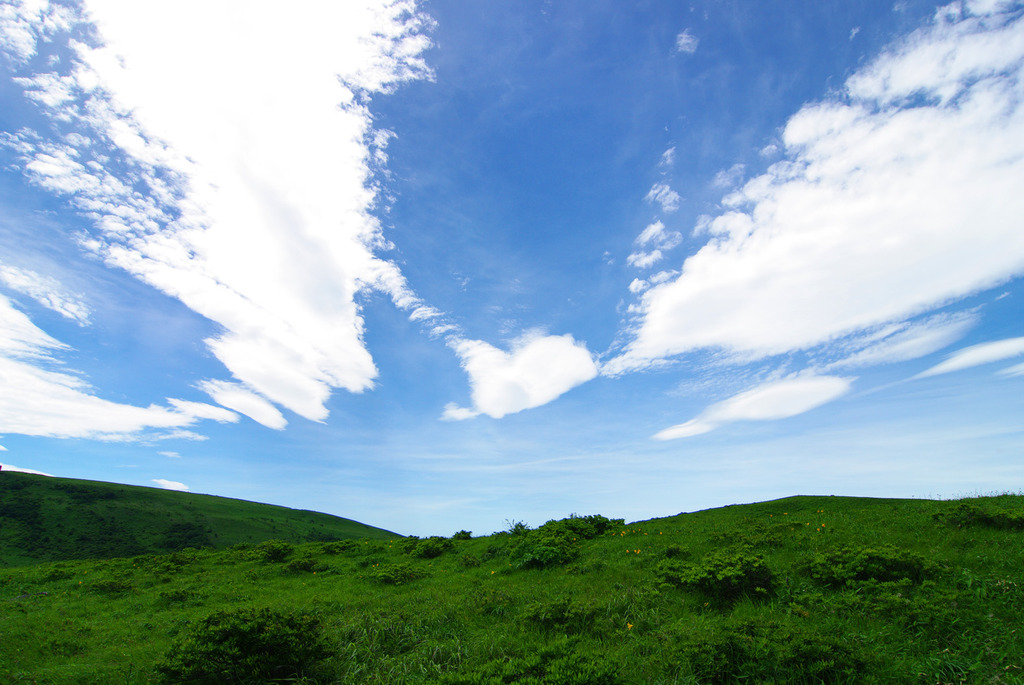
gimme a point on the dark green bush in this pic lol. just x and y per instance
(852, 565)
(431, 547)
(755, 652)
(463, 535)
(247, 646)
(274, 551)
(562, 614)
(395, 574)
(970, 514)
(723, 576)
(556, 542)
(306, 565)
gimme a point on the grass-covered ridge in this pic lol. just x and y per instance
(799, 590)
(52, 519)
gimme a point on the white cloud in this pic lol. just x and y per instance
(652, 241)
(976, 355)
(277, 164)
(171, 484)
(1015, 370)
(538, 369)
(687, 42)
(638, 285)
(902, 342)
(664, 196)
(170, 455)
(42, 402)
(895, 198)
(46, 291)
(244, 401)
(727, 178)
(771, 401)
(668, 158)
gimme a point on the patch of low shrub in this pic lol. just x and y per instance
(273, 551)
(247, 646)
(852, 565)
(723, 576)
(563, 614)
(431, 548)
(395, 574)
(970, 514)
(771, 652)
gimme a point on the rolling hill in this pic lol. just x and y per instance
(52, 519)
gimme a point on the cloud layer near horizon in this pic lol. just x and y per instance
(897, 196)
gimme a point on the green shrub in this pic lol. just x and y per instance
(970, 514)
(562, 614)
(852, 565)
(756, 652)
(395, 574)
(247, 646)
(306, 565)
(431, 547)
(463, 535)
(274, 551)
(723, 576)
(556, 542)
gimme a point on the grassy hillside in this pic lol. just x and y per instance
(50, 519)
(799, 590)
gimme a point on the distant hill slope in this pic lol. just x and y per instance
(51, 519)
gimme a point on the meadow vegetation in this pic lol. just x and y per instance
(798, 590)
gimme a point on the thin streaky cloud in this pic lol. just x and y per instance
(46, 291)
(770, 401)
(976, 355)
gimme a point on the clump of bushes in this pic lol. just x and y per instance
(755, 651)
(970, 514)
(562, 613)
(395, 574)
(556, 542)
(431, 548)
(246, 646)
(274, 551)
(853, 565)
(723, 576)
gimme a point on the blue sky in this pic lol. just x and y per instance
(441, 265)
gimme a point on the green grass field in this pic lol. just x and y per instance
(798, 590)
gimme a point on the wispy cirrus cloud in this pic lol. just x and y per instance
(277, 163)
(770, 401)
(904, 341)
(977, 355)
(50, 403)
(895, 197)
(46, 291)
